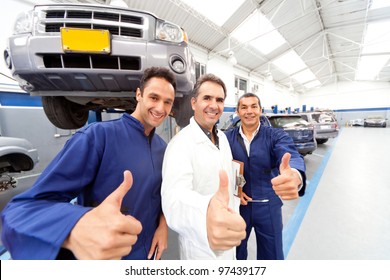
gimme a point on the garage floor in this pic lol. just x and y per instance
(348, 209)
(345, 213)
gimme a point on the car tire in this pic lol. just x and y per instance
(63, 113)
(321, 141)
(182, 110)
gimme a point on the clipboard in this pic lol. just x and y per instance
(238, 170)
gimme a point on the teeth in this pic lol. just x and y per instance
(157, 115)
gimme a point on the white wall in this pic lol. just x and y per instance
(349, 95)
(270, 94)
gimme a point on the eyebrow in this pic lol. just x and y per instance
(159, 96)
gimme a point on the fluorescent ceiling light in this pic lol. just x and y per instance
(370, 66)
(289, 63)
(218, 11)
(377, 38)
(259, 32)
(376, 42)
(377, 4)
(304, 76)
(312, 84)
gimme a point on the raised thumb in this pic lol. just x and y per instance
(116, 196)
(223, 191)
(285, 164)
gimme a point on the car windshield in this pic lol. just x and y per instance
(287, 122)
(322, 118)
(374, 117)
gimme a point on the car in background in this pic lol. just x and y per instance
(325, 125)
(16, 155)
(301, 131)
(50, 55)
(356, 122)
(375, 121)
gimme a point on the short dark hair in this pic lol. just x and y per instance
(208, 78)
(157, 72)
(245, 95)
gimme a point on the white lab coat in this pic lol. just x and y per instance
(190, 178)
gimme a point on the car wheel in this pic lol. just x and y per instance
(63, 113)
(182, 110)
(321, 141)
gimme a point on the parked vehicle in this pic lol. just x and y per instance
(301, 131)
(375, 121)
(16, 155)
(356, 122)
(325, 125)
(50, 55)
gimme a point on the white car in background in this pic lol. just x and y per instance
(16, 155)
(356, 122)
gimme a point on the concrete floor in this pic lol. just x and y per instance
(345, 214)
(348, 216)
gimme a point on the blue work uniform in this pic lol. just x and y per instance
(264, 214)
(89, 167)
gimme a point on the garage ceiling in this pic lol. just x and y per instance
(327, 35)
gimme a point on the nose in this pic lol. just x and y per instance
(160, 106)
(213, 103)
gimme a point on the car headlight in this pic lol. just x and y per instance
(170, 32)
(24, 23)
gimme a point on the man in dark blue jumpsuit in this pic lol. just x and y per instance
(273, 170)
(107, 222)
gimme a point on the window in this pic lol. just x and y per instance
(200, 69)
(241, 87)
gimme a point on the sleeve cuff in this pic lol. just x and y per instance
(300, 177)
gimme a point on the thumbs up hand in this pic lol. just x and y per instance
(286, 184)
(225, 228)
(104, 232)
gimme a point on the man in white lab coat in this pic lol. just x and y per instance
(198, 185)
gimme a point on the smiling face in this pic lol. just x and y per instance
(249, 111)
(155, 103)
(208, 104)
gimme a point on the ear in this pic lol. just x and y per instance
(193, 101)
(138, 94)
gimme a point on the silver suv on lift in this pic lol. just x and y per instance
(81, 57)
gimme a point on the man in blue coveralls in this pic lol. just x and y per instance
(108, 222)
(273, 171)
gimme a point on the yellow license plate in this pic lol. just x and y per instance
(85, 40)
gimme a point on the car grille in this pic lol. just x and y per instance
(117, 23)
(127, 24)
(78, 61)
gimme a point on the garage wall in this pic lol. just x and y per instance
(352, 100)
